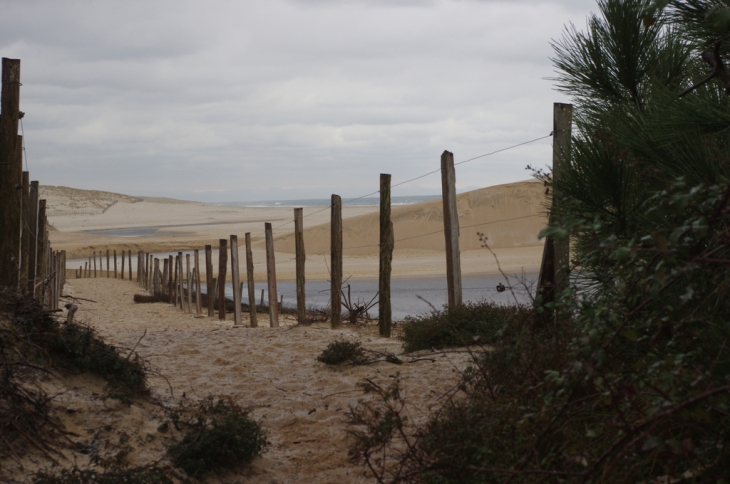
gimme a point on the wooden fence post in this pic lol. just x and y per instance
(24, 225)
(33, 246)
(165, 277)
(336, 262)
(174, 288)
(180, 281)
(41, 248)
(129, 260)
(222, 263)
(151, 274)
(387, 243)
(115, 265)
(10, 174)
(107, 263)
(124, 252)
(170, 285)
(198, 302)
(236, 280)
(250, 280)
(209, 283)
(301, 260)
(156, 285)
(451, 229)
(271, 277)
(555, 269)
(189, 277)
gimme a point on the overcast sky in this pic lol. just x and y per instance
(282, 99)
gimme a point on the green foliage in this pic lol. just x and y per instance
(480, 323)
(78, 348)
(218, 434)
(632, 382)
(343, 351)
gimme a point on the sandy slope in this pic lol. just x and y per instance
(301, 403)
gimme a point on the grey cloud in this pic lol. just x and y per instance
(275, 93)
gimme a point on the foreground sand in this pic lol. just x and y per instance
(301, 403)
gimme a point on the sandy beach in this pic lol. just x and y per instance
(301, 403)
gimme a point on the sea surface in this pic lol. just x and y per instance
(409, 296)
(324, 202)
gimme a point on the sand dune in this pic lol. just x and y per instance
(510, 215)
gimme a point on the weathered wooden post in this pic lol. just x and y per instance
(115, 265)
(10, 174)
(170, 285)
(222, 263)
(156, 285)
(555, 269)
(386, 257)
(33, 239)
(250, 280)
(301, 259)
(108, 271)
(181, 281)
(451, 229)
(271, 277)
(209, 282)
(189, 277)
(336, 262)
(129, 259)
(86, 270)
(165, 277)
(236, 279)
(174, 289)
(198, 302)
(24, 225)
(123, 254)
(151, 274)
(40, 240)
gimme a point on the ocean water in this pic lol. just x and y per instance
(324, 202)
(409, 296)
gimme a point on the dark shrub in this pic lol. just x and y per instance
(218, 434)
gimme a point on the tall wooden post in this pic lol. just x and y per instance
(222, 263)
(209, 282)
(451, 229)
(336, 262)
(235, 275)
(156, 285)
(24, 225)
(170, 286)
(33, 238)
(271, 277)
(180, 281)
(115, 264)
(124, 252)
(301, 260)
(250, 281)
(151, 274)
(189, 278)
(40, 239)
(198, 302)
(10, 174)
(107, 264)
(174, 287)
(555, 270)
(387, 243)
(129, 261)
(165, 276)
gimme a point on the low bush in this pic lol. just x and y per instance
(76, 347)
(116, 474)
(217, 434)
(481, 323)
(342, 351)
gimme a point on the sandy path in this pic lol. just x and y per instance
(300, 402)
